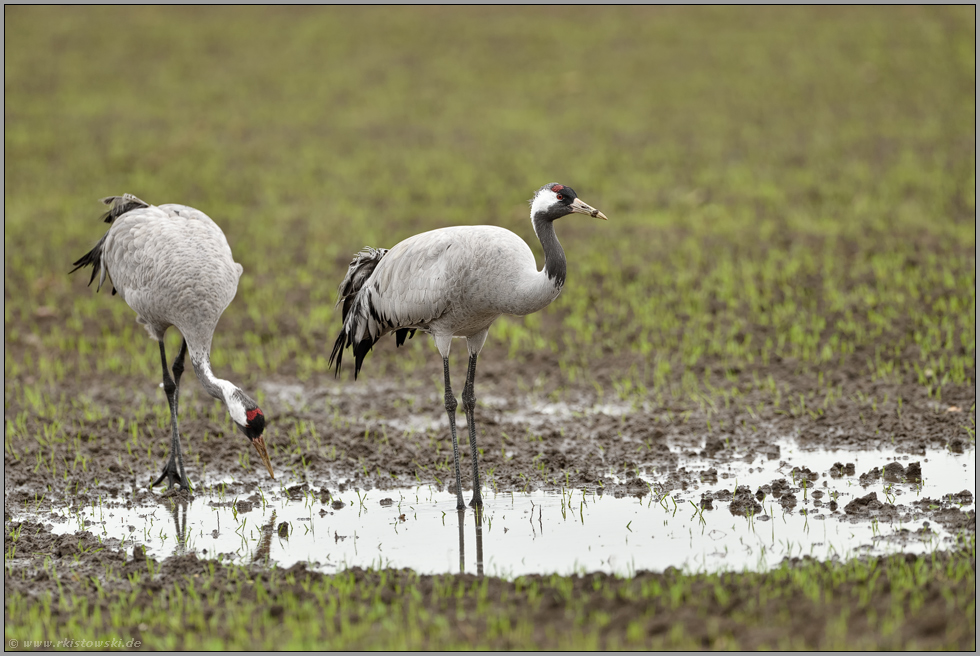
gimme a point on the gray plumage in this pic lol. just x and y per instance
(172, 264)
(447, 282)
(454, 282)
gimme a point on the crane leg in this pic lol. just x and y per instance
(451, 411)
(469, 405)
(173, 471)
(178, 369)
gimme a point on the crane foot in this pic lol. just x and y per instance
(172, 474)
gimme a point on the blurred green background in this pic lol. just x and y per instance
(793, 184)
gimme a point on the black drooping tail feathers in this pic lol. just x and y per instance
(119, 206)
(355, 314)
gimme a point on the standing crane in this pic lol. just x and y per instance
(454, 282)
(173, 266)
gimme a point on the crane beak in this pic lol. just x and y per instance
(580, 207)
(259, 445)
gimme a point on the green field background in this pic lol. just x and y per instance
(794, 184)
(792, 210)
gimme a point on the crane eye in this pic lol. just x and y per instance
(559, 196)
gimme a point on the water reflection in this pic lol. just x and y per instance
(263, 551)
(178, 510)
(478, 526)
(585, 531)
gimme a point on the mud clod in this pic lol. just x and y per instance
(804, 474)
(779, 487)
(963, 498)
(297, 492)
(869, 477)
(894, 472)
(744, 502)
(869, 505)
(712, 447)
(957, 445)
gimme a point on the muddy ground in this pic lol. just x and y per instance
(534, 432)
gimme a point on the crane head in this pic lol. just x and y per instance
(253, 431)
(251, 421)
(553, 201)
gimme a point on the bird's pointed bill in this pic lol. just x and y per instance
(581, 207)
(259, 445)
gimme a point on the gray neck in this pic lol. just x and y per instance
(554, 255)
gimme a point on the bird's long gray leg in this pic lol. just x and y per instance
(178, 369)
(469, 405)
(173, 471)
(451, 411)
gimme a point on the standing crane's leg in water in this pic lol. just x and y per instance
(469, 404)
(178, 369)
(474, 344)
(448, 282)
(173, 471)
(451, 411)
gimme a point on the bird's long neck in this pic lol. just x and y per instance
(219, 388)
(554, 255)
(216, 387)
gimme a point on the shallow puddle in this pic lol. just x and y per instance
(561, 532)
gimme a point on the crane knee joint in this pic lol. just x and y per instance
(169, 386)
(450, 403)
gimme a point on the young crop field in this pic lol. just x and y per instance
(774, 331)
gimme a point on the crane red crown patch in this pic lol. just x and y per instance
(556, 188)
(251, 414)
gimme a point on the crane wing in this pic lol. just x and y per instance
(171, 263)
(400, 290)
(417, 280)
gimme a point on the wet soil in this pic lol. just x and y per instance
(535, 432)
